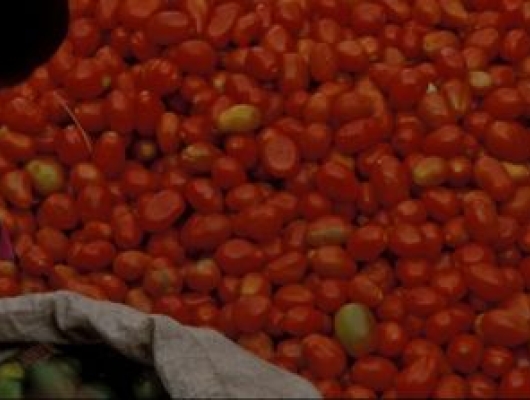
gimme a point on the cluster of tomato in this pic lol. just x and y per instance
(340, 186)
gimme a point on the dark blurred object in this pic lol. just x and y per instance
(30, 33)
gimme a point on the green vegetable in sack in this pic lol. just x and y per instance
(12, 370)
(148, 387)
(48, 380)
(11, 389)
(70, 366)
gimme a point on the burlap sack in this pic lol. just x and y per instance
(191, 362)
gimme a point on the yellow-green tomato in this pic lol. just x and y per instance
(47, 175)
(12, 370)
(240, 118)
(355, 328)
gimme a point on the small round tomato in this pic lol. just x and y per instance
(161, 210)
(203, 195)
(24, 115)
(324, 356)
(261, 223)
(367, 242)
(196, 56)
(172, 306)
(302, 320)
(355, 327)
(139, 300)
(239, 256)
(58, 211)
(86, 80)
(161, 279)
(36, 261)
(337, 182)
(131, 265)
(95, 255)
(251, 313)
(205, 232)
(202, 276)
(392, 339)
(419, 378)
(374, 372)
(361, 289)
(332, 262)
(9, 287)
(464, 353)
(480, 386)
(515, 383)
(169, 27)
(279, 156)
(496, 361)
(287, 269)
(54, 242)
(293, 295)
(451, 387)
(114, 288)
(94, 203)
(260, 344)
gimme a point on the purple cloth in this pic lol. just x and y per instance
(6, 249)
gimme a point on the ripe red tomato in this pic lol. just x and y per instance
(254, 167)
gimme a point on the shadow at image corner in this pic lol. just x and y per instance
(30, 33)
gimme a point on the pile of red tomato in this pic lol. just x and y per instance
(340, 186)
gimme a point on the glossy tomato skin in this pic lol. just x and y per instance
(516, 383)
(370, 370)
(342, 188)
(419, 379)
(325, 356)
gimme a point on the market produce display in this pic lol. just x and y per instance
(82, 372)
(342, 187)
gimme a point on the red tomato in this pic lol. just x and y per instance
(161, 210)
(324, 356)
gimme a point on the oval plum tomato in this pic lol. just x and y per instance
(54, 242)
(119, 109)
(169, 27)
(516, 383)
(36, 261)
(203, 275)
(161, 210)
(251, 313)
(16, 187)
(374, 372)
(133, 13)
(96, 255)
(173, 307)
(86, 80)
(131, 265)
(196, 57)
(279, 156)
(239, 256)
(148, 111)
(162, 279)
(17, 146)
(109, 154)
(324, 356)
(340, 187)
(419, 379)
(94, 203)
(72, 146)
(337, 182)
(23, 115)
(205, 232)
(355, 328)
(160, 76)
